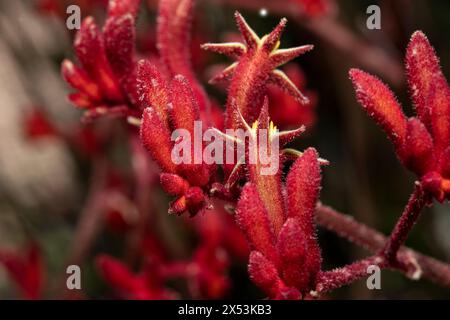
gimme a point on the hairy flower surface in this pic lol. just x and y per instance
(105, 79)
(175, 101)
(262, 132)
(422, 143)
(256, 66)
(284, 262)
(174, 41)
(287, 112)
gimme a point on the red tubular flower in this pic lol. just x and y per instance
(422, 143)
(256, 67)
(105, 80)
(267, 185)
(284, 263)
(257, 61)
(175, 101)
(26, 271)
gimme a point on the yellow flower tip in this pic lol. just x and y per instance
(272, 128)
(255, 125)
(277, 45)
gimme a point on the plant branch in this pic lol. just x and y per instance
(418, 200)
(415, 265)
(330, 280)
(89, 223)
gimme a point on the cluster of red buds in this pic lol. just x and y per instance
(285, 256)
(105, 80)
(205, 273)
(422, 143)
(172, 106)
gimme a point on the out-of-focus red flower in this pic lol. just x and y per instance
(25, 270)
(315, 8)
(128, 285)
(86, 140)
(205, 274)
(218, 229)
(285, 110)
(38, 126)
(210, 266)
(121, 215)
(422, 143)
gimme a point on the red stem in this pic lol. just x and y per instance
(418, 200)
(331, 280)
(415, 265)
(89, 223)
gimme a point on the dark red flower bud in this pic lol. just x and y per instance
(90, 50)
(195, 200)
(173, 184)
(417, 152)
(380, 104)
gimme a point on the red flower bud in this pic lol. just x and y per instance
(423, 70)
(90, 50)
(173, 184)
(263, 273)
(417, 152)
(153, 90)
(303, 186)
(420, 143)
(195, 200)
(380, 103)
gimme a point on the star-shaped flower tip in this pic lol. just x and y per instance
(263, 52)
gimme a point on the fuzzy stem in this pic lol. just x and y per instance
(331, 280)
(415, 265)
(418, 200)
